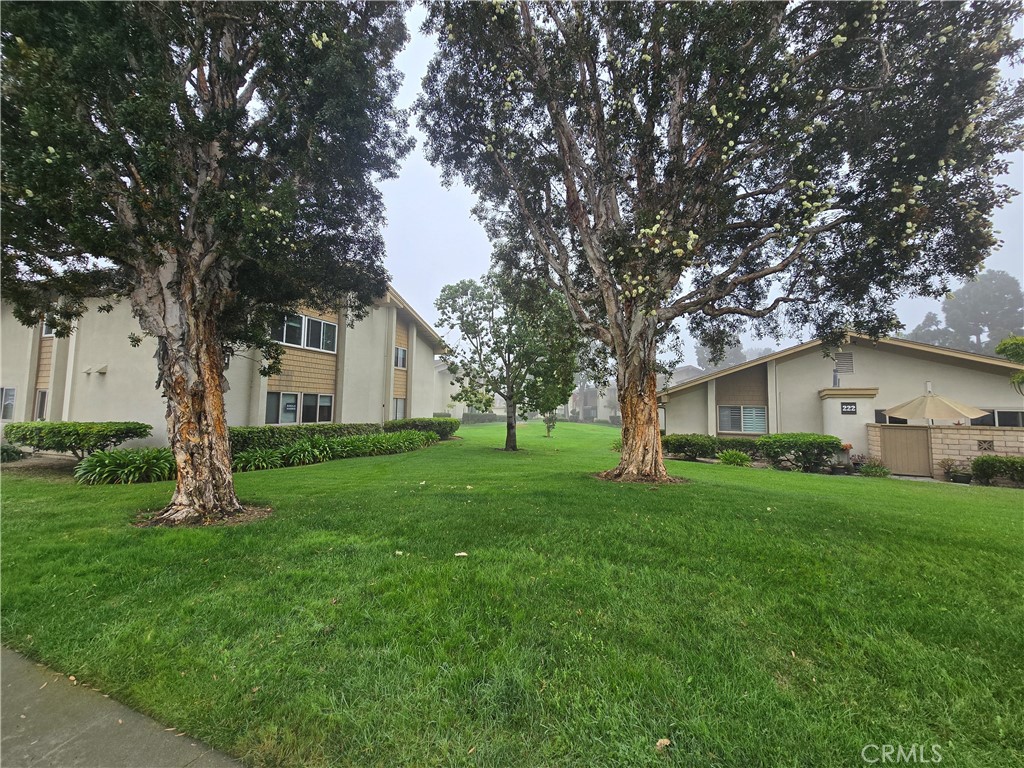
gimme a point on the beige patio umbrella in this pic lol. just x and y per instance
(932, 406)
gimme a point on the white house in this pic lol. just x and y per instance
(800, 389)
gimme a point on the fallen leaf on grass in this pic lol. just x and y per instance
(471, 750)
(661, 744)
(44, 685)
(462, 554)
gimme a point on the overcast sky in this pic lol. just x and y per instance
(433, 239)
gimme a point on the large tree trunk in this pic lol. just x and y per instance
(510, 427)
(191, 362)
(641, 459)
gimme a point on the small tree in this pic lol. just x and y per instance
(515, 339)
(724, 161)
(213, 163)
(550, 420)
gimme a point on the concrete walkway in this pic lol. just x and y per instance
(45, 720)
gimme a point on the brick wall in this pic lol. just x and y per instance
(874, 440)
(962, 443)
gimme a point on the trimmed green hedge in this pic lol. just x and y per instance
(126, 466)
(442, 427)
(690, 446)
(481, 418)
(987, 468)
(806, 451)
(275, 436)
(79, 438)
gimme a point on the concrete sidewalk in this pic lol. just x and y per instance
(45, 720)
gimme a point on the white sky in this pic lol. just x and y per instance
(432, 238)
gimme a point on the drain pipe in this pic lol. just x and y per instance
(928, 388)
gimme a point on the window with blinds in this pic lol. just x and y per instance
(743, 418)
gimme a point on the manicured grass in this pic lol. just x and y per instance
(753, 617)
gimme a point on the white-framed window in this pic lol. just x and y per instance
(743, 418)
(317, 408)
(321, 335)
(401, 357)
(1010, 418)
(7, 395)
(398, 412)
(47, 329)
(40, 414)
(288, 331)
(298, 407)
(308, 332)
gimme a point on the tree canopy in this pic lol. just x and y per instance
(514, 339)
(978, 316)
(727, 162)
(214, 163)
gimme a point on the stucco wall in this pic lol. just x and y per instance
(687, 412)
(422, 380)
(367, 351)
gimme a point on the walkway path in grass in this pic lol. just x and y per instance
(47, 720)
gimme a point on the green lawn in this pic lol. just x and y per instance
(753, 617)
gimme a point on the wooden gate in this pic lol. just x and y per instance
(906, 450)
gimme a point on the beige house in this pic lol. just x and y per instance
(381, 368)
(801, 390)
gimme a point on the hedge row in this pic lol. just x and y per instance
(481, 418)
(442, 427)
(79, 438)
(987, 468)
(806, 451)
(275, 436)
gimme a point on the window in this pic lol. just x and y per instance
(401, 357)
(988, 420)
(881, 418)
(302, 331)
(399, 409)
(40, 405)
(7, 403)
(47, 329)
(326, 412)
(289, 331)
(1010, 418)
(283, 408)
(743, 418)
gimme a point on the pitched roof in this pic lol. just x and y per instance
(434, 338)
(917, 348)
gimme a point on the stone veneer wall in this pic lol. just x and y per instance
(960, 443)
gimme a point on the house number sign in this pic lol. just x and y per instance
(848, 408)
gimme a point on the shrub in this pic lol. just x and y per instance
(690, 446)
(257, 458)
(617, 444)
(734, 458)
(481, 418)
(874, 467)
(281, 436)
(125, 466)
(305, 452)
(444, 427)
(986, 468)
(10, 452)
(746, 444)
(79, 438)
(806, 451)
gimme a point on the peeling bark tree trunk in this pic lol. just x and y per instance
(191, 362)
(641, 459)
(510, 427)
